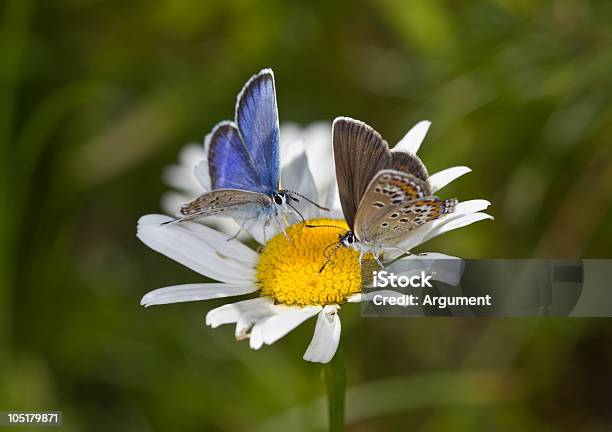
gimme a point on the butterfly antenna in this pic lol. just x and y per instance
(326, 226)
(169, 222)
(329, 257)
(183, 218)
(308, 199)
(328, 246)
(299, 214)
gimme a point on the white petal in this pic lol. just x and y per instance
(177, 177)
(255, 336)
(444, 177)
(172, 201)
(290, 150)
(326, 336)
(275, 327)
(193, 245)
(297, 177)
(191, 154)
(249, 318)
(202, 174)
(316, 139)
(289, 133)
(194, 292)
(231, 313)
(456, 223)
(180, 176)
(332, 202)
(470, 206)
(413, 139)
(355, 298)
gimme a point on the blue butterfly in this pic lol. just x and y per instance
(244, 162)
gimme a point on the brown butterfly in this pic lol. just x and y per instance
(385, 194)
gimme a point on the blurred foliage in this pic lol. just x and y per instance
(96, 97)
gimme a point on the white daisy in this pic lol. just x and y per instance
(286, 271)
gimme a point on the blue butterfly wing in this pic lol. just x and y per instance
(230, 164)
(257, 120)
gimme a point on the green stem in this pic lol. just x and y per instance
(334, 374)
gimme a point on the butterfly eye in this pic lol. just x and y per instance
(347, 239)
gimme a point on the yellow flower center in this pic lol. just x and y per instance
(288, 268)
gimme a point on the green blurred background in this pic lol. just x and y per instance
(97, 97)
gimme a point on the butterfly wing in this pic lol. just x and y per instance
(225, 202)
(408, 163)
(394, 204)
(257, 121)
(229, 162)
(359, 153)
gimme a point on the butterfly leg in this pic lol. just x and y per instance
(280, 224)
(242, 225)
(265, 225)
(377, 258)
